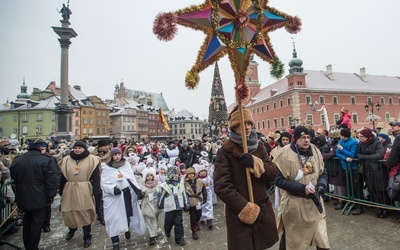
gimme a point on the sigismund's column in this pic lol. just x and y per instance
(64, 109)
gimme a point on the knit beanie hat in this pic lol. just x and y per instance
(234, 118)
(115, 151)
(190, 170)
(299, 131)
(185, 143)
(345, 132)
(102, 143)
(287, 135)
(384, 136)
(366, 133)
(80, 144)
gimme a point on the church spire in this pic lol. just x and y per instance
(217, 112)
(296, 63)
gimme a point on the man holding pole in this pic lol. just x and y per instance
(239, 180)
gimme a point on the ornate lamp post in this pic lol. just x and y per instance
(372, 105)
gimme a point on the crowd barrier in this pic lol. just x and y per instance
(8, 213)
(361, 185)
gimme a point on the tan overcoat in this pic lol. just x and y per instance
(77, 201)
(304, 226)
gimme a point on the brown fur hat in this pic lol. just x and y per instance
(234, 118)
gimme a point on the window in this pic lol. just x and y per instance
(84, 111)
(335, 100)
(76, 113)
(288, 101)
(258, 110)
(309, 118)
(262, 108)
(274, 105)
(24, 117)
(39, 117)
(76, 122)
(308, 99)
(90, 120)
(15, 118)
(353, 100)
(275, 123)
(258, 125)
(387, 117)
(336, 117)
(76, 131)
(263, 125)
(382, 100)
(84, 130)
(14, 130)
(321, 99)
(268, 105)
(53, 118)
(355, 118)
(84, 121)
(24, 129)
(323, 120)
(282, 122)
(390, 100)
(280, 103)
(268, 124)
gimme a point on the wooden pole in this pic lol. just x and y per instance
(245, 150)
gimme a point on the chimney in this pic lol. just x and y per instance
(77, 87)
(329, 73)
(273, 91)
(363, 75)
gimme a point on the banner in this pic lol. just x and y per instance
(163, 120)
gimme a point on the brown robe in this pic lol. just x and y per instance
(230, 185)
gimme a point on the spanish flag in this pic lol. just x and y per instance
(163, 120)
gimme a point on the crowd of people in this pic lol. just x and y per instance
(146, 186)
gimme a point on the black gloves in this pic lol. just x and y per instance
(117, 191)
(321, 190)
(185, 209)
(315, 198)
(246, 160)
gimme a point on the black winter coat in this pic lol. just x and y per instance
(36, 179)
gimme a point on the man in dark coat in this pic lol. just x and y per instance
(36, 180)
(249, 225)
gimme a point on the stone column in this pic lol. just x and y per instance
(64, 109)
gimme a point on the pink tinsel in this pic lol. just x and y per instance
(242, 92)
(294, 25)
(165, 26)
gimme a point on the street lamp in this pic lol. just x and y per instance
(372, 104)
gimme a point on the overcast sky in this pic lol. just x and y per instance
(115, 43)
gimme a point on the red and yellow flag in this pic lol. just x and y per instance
(163, 120)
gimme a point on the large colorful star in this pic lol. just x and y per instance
(234, 27)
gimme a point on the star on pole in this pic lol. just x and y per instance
(234, 27)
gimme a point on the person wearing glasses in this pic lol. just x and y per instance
(303, 179)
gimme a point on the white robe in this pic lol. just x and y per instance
(207, 209)
(114, 205)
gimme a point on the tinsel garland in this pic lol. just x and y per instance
(277, 68)
(242, 91)
(293, 26)
(165, 26)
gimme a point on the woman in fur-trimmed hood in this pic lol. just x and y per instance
(230, 184)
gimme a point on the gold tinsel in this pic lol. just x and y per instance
(192, 79)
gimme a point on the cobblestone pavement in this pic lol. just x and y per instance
(345, 232)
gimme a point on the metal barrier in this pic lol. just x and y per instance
(8, 213)
(365, 186)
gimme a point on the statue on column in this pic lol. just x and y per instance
(65, 12)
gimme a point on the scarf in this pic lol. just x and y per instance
(80, 156)
(151, 184)
(252, 141)
(116, 164)
(301, 151)
(367, 141)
